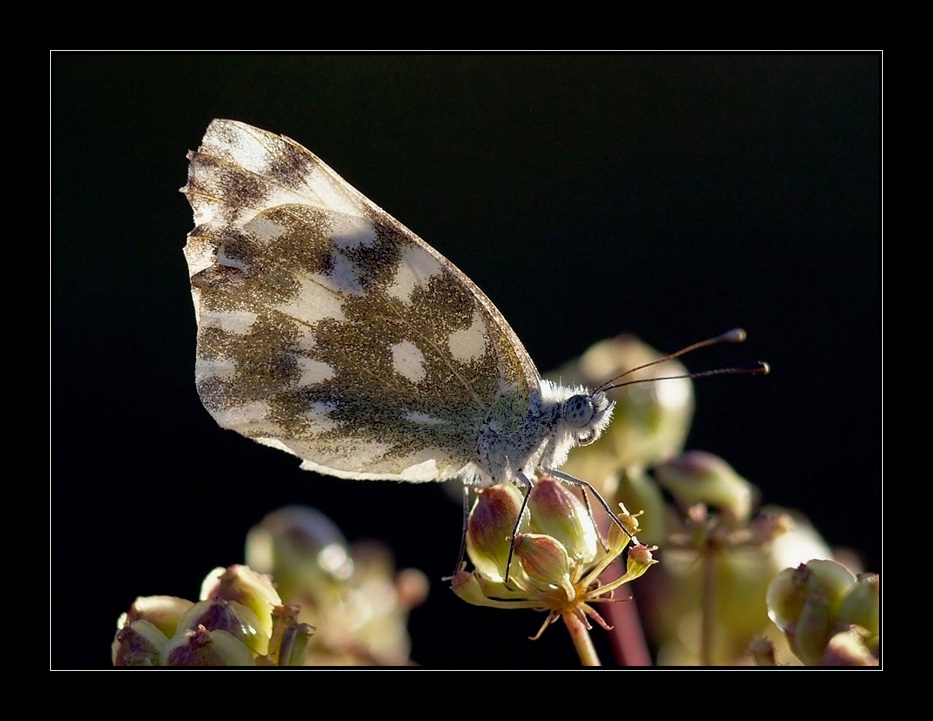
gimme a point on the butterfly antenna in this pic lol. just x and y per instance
(736, 335)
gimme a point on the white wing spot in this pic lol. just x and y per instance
(408, 361)
(239, 322)
(352, 232)
(469, 344)
(314, 372)
(415, 268)
(221, 368)
(313, 303)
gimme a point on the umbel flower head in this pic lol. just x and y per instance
(556, 559)
(238, 621)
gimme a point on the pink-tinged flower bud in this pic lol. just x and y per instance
(235, 618)
(545, 561)
(163, 611)
(138, 643)
(699, 477)
(202, 647)
(558, 512)
(490, 527)
(639, 560)
(242, 584)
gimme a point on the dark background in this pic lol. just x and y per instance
(673, 196)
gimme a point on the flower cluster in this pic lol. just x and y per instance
(555, 561)
(829, 616)
(705, 604)
(238, 621)
(343, 605)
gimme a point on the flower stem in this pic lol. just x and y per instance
(708, 610)
(581, 639)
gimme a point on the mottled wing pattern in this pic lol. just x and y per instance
(328, 329)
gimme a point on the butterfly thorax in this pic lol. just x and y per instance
(558, 418)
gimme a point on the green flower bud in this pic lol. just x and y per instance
(545, 560)
(202, 647)
(138, 643)
(490, 527)
(242, 584)
(812, 631)
(235, 618)
(301, 548)
(819, 580)
(699, 477)
(558, 512)
(861, 605)
(164, 611)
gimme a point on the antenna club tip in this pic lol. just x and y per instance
(736, 335)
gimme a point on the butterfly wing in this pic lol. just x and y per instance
(328, 329)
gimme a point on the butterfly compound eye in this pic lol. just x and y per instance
(578, 410)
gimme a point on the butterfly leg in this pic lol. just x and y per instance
(528, 482)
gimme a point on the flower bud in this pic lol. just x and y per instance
(700, 477)
(202, 647)
(164, 611)
(639, 560)
(861, 605)
(545, 561)
(301, 548)
(558, 512)
(490, 527)
(242, 584)
(138, 643)
(235, 618)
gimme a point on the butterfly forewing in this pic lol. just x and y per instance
(328, 329)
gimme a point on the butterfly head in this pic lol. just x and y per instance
(586, 415)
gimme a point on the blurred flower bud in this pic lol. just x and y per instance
(700, 477)
(829, 616)
(301, 548)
